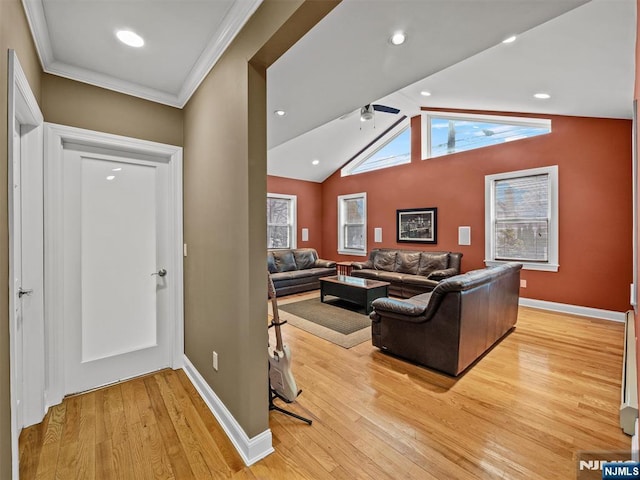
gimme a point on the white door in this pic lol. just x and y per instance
(28, 275)
(117, 320)
(17, 320)
(26, 255)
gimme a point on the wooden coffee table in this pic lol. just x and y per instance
(360, 291)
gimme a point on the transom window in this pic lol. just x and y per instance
(447, 133)
(281, 221)
(352, 224)
(391, 149)
(522, 218)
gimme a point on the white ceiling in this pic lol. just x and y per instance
(581, 52)
(584, 57)
(183, 40)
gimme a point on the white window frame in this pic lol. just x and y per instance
(372, 149)
(427, 116)
(341, 224)
(552, 264)
(293, 217)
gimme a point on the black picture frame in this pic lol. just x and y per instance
(417, 225)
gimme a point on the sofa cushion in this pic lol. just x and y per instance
(304, 259)
(271, 263)
(366, 273)
(407, 262)
(309, 277)
(432, 261)
(419, 280)
(385, 260)
(293, 274)
(392, 277)
(285, 261)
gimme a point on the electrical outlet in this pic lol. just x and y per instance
(523, 284)
(215, 361)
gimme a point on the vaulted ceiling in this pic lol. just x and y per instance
(580, 52)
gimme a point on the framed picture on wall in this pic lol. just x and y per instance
(417, 225)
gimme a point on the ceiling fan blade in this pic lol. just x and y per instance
(384, 108)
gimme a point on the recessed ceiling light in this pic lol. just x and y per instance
(116, 169)
(111, 177)
(510, 39)
(280, 113)
(315, 162)
(542, 96)
(424, 93)
(130, 38)
(398, 38)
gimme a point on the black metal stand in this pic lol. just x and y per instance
(272, 406)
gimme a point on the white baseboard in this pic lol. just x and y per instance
(634, 445)
(574, 309)
(250, 449)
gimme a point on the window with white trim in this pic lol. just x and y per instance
(281, 221)
(521, 218)
(352, 224)
(391, 149)
(445, 133)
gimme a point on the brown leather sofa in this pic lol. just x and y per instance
(409, 272)
(297, 270)
(455, 324)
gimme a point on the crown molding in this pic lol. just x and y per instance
(111, 83)
(236, 18)
(39, 30)
(238, 15)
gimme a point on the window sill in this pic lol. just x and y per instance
(543, 267)
(357, 253)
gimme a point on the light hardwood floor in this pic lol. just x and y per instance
(548, 390)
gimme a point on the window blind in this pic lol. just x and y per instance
(522, 218)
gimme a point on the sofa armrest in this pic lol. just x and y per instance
(362, 265)
(442, 274)
(325, 263)
(400, 307)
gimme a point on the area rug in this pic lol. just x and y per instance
(337, 321)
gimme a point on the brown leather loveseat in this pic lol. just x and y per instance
(409, 272)
(455, 324)
(297, 270)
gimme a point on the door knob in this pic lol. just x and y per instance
(22, 292)
(161, 273)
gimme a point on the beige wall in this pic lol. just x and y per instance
(14, 34)
(77, 104)
(224, 208)
(224, 128)
(70, 103)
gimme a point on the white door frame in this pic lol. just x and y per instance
(55, 136)
(23, 110)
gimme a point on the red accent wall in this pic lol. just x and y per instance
(309, 207)
(595, 205)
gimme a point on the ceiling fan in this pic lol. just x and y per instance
(367, 112)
